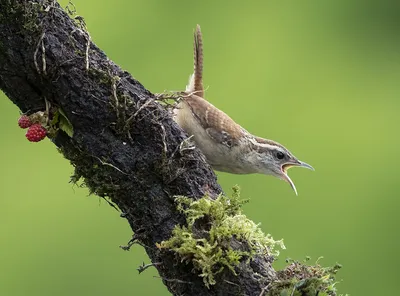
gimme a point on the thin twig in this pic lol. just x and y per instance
(164, 135)
(264, 289)
(43, 54)
(44, 57)
(110, 165)
(143, 267)
(114, 91)
(187, 143)
(173, 280)
(111, 204)
(294, 289)
(134, 240)
(231, 283)
(183, 146)
(128, 121)
(87, 50)
(70, 11)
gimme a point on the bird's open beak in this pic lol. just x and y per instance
(288, 165)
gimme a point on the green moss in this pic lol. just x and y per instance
(31, 14)
(300, 279)
(78, 52)
(101, 76)
(210, 250)
(26, 14)
(91, 172)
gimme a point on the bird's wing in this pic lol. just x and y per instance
(217, 124)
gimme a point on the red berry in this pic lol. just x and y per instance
(36, 133)
(24, 121)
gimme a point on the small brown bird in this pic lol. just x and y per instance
(227, 146)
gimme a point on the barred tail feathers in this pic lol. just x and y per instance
(196, 79)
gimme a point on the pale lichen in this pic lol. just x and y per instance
(299, 279)
(212, 226)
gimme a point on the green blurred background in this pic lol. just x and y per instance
(321, 77)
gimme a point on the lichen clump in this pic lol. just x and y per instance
(299, 279)
(214, 226)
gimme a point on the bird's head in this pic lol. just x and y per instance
(274, 159)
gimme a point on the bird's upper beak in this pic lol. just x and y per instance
(290, 164)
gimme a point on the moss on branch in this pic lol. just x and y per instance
(229, 237)
(299, 279)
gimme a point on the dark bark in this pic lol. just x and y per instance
(125, 144)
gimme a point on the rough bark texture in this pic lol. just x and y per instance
(125, 145)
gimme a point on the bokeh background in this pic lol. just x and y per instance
(321, 77)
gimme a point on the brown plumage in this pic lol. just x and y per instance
(226, 145)
(198, 62)
(218, 125)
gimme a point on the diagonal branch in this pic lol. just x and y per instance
(125, 144)
(127, 148)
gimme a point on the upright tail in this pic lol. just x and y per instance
(196, 79)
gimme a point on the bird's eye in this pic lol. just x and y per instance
(280, 155)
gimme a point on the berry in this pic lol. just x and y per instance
(36, 133)
(24, 121)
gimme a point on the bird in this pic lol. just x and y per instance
(226, 145)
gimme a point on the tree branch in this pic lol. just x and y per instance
(124, 143)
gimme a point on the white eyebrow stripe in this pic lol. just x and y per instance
(268, 146)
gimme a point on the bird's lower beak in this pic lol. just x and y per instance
(287, 166)
(286, 177)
